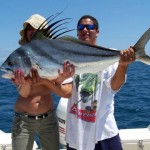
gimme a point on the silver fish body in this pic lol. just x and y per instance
(48, 55)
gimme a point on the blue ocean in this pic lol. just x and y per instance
(132, 102)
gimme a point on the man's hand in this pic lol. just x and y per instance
(19, 78)
(68, 71)
(127, 56)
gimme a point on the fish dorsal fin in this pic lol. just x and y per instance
(52, 30)
(75, 40)
(71, 38)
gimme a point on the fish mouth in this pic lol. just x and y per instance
(8, 76)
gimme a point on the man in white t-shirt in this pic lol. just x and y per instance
(90, 114)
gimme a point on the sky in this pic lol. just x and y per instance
(122, 22)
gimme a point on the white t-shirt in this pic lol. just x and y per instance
(90, 111)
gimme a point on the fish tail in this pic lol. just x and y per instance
(139, 48)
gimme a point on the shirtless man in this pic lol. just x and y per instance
(34, 109)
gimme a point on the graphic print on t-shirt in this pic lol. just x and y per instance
(86, 104)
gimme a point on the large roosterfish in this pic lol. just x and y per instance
(48, 50)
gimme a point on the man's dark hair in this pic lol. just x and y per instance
(90, 17)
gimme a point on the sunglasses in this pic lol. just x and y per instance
(88, 26)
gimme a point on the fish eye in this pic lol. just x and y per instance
(10, 63)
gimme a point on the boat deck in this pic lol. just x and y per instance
(131, 139)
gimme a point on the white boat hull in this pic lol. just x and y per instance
(135, 139)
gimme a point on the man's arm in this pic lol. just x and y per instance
(63, 90)
(126, 57)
